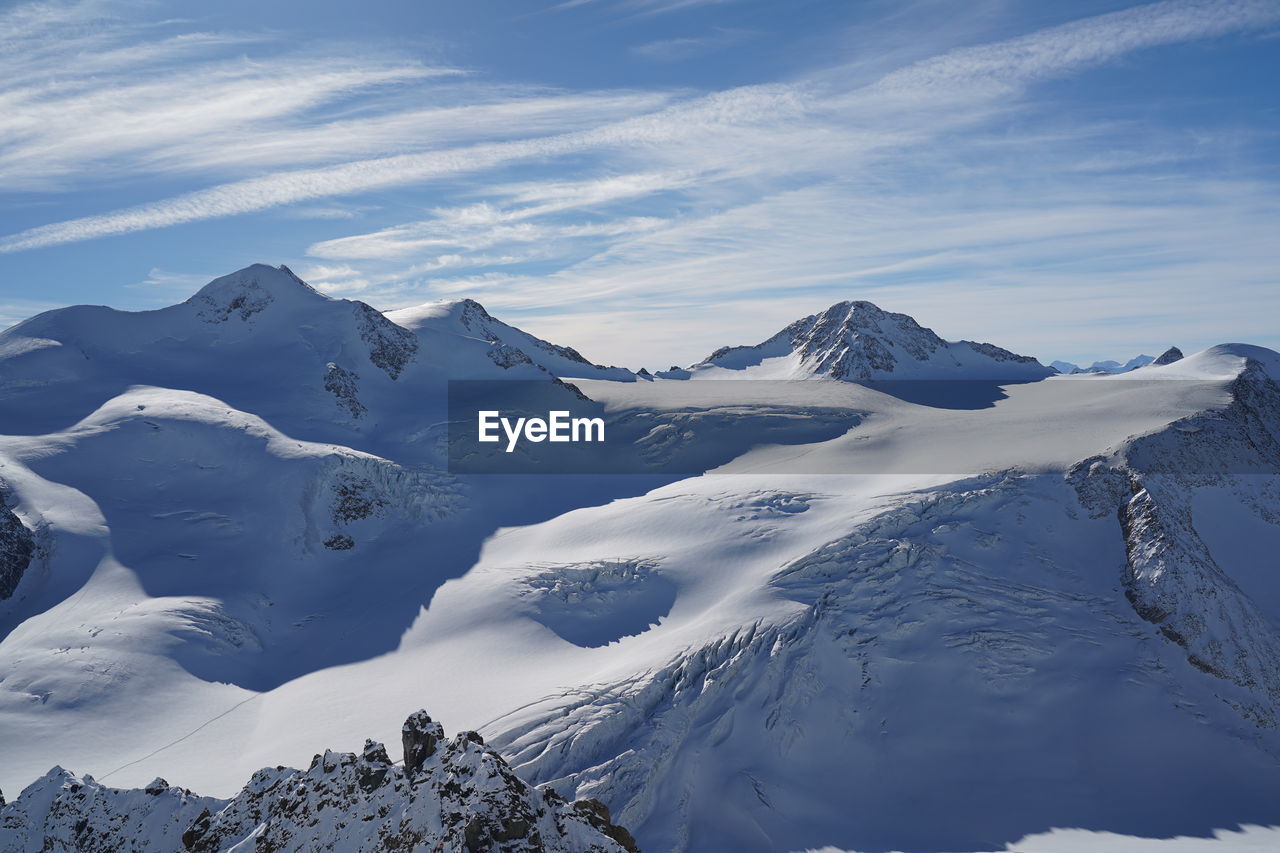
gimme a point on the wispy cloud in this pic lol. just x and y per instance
(687, 47)
(81, 88)
(163, 286)
(49, 136)
(780, 128)
(650, 7)
(406, 240)
(704, 117)
(14, 311)
(485, 225)
(1007, 65)
(87, 98)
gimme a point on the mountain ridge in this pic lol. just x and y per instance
(452, 792)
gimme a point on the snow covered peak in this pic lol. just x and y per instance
(859, 341)
(458, 315)
(1109, 366)
(251, 290)
(861, 329)
(263, 340)
(1224, 361)
(1169, 356)
(468, 318)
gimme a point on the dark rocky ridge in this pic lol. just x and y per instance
(1171, 578)
(448, 794)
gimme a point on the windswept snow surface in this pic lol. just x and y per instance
(981, 611)
(1249, 839)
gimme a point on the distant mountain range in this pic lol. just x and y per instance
(1169, 356)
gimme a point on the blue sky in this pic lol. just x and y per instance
(647, 180)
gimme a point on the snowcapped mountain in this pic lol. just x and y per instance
(863, 620)
(260, 339)
(467, 318)
(1169, 356)
(857, 341)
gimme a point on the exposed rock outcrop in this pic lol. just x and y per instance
(450, 794)
(390, 347)
(1171, 578)
(344, 385)
(17, 547)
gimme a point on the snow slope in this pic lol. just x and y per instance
(945, 621)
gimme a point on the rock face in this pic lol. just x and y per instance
(857, 341)
(1169, 356)
(450, 794)
(419, 738)
(344, 385)
(17, 545)
(390, 347)
(1172, 578)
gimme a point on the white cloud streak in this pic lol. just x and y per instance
(718, 113)
(481, 226)
(753, 129)
(89, 99)
(678, 49)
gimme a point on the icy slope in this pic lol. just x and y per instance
(446, 794)
(857, 341)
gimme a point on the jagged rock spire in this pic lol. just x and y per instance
(419, 737)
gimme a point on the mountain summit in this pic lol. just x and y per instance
(469, 319)
(858, 342)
